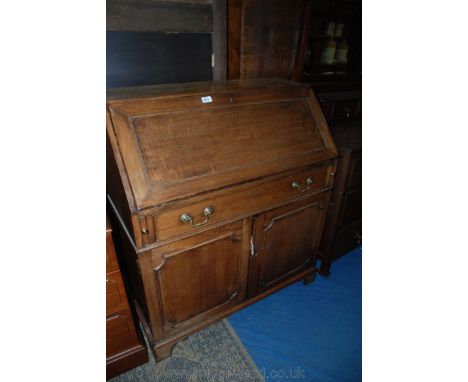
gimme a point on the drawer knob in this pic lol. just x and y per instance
(187, 218)
(297, 186)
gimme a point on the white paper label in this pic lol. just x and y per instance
(206, 99)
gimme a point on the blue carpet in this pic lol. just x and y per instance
(308, 333)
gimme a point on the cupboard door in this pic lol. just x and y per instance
(285, 242)
(199, 277)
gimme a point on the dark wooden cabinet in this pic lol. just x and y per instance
(124, 345)
(343, 227)
(221, 190)
(341, 106)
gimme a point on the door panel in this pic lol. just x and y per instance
(286, 241)
(200, 275)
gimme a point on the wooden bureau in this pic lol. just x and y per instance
(221, 190)
(124, 347)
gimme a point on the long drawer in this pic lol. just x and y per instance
(186, 217)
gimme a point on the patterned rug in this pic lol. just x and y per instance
(213, 354)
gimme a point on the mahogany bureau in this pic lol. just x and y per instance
(124, 346)
(221, 190)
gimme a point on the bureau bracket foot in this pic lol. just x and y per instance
(325, 274)
(325, 268)
(163, 352)
(310, 278)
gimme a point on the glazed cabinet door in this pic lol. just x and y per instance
(198, 278)
(285, 242)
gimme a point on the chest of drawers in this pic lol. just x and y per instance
(124, 346)
(221, 190)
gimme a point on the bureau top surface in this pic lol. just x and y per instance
(202, 88)
(174, 141)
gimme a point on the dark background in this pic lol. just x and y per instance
(142, 58)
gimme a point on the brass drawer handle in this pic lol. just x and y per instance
(297, 186)
(187, 218)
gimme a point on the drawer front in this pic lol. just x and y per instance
(116, 299)
(173, 221)
(120, 333)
